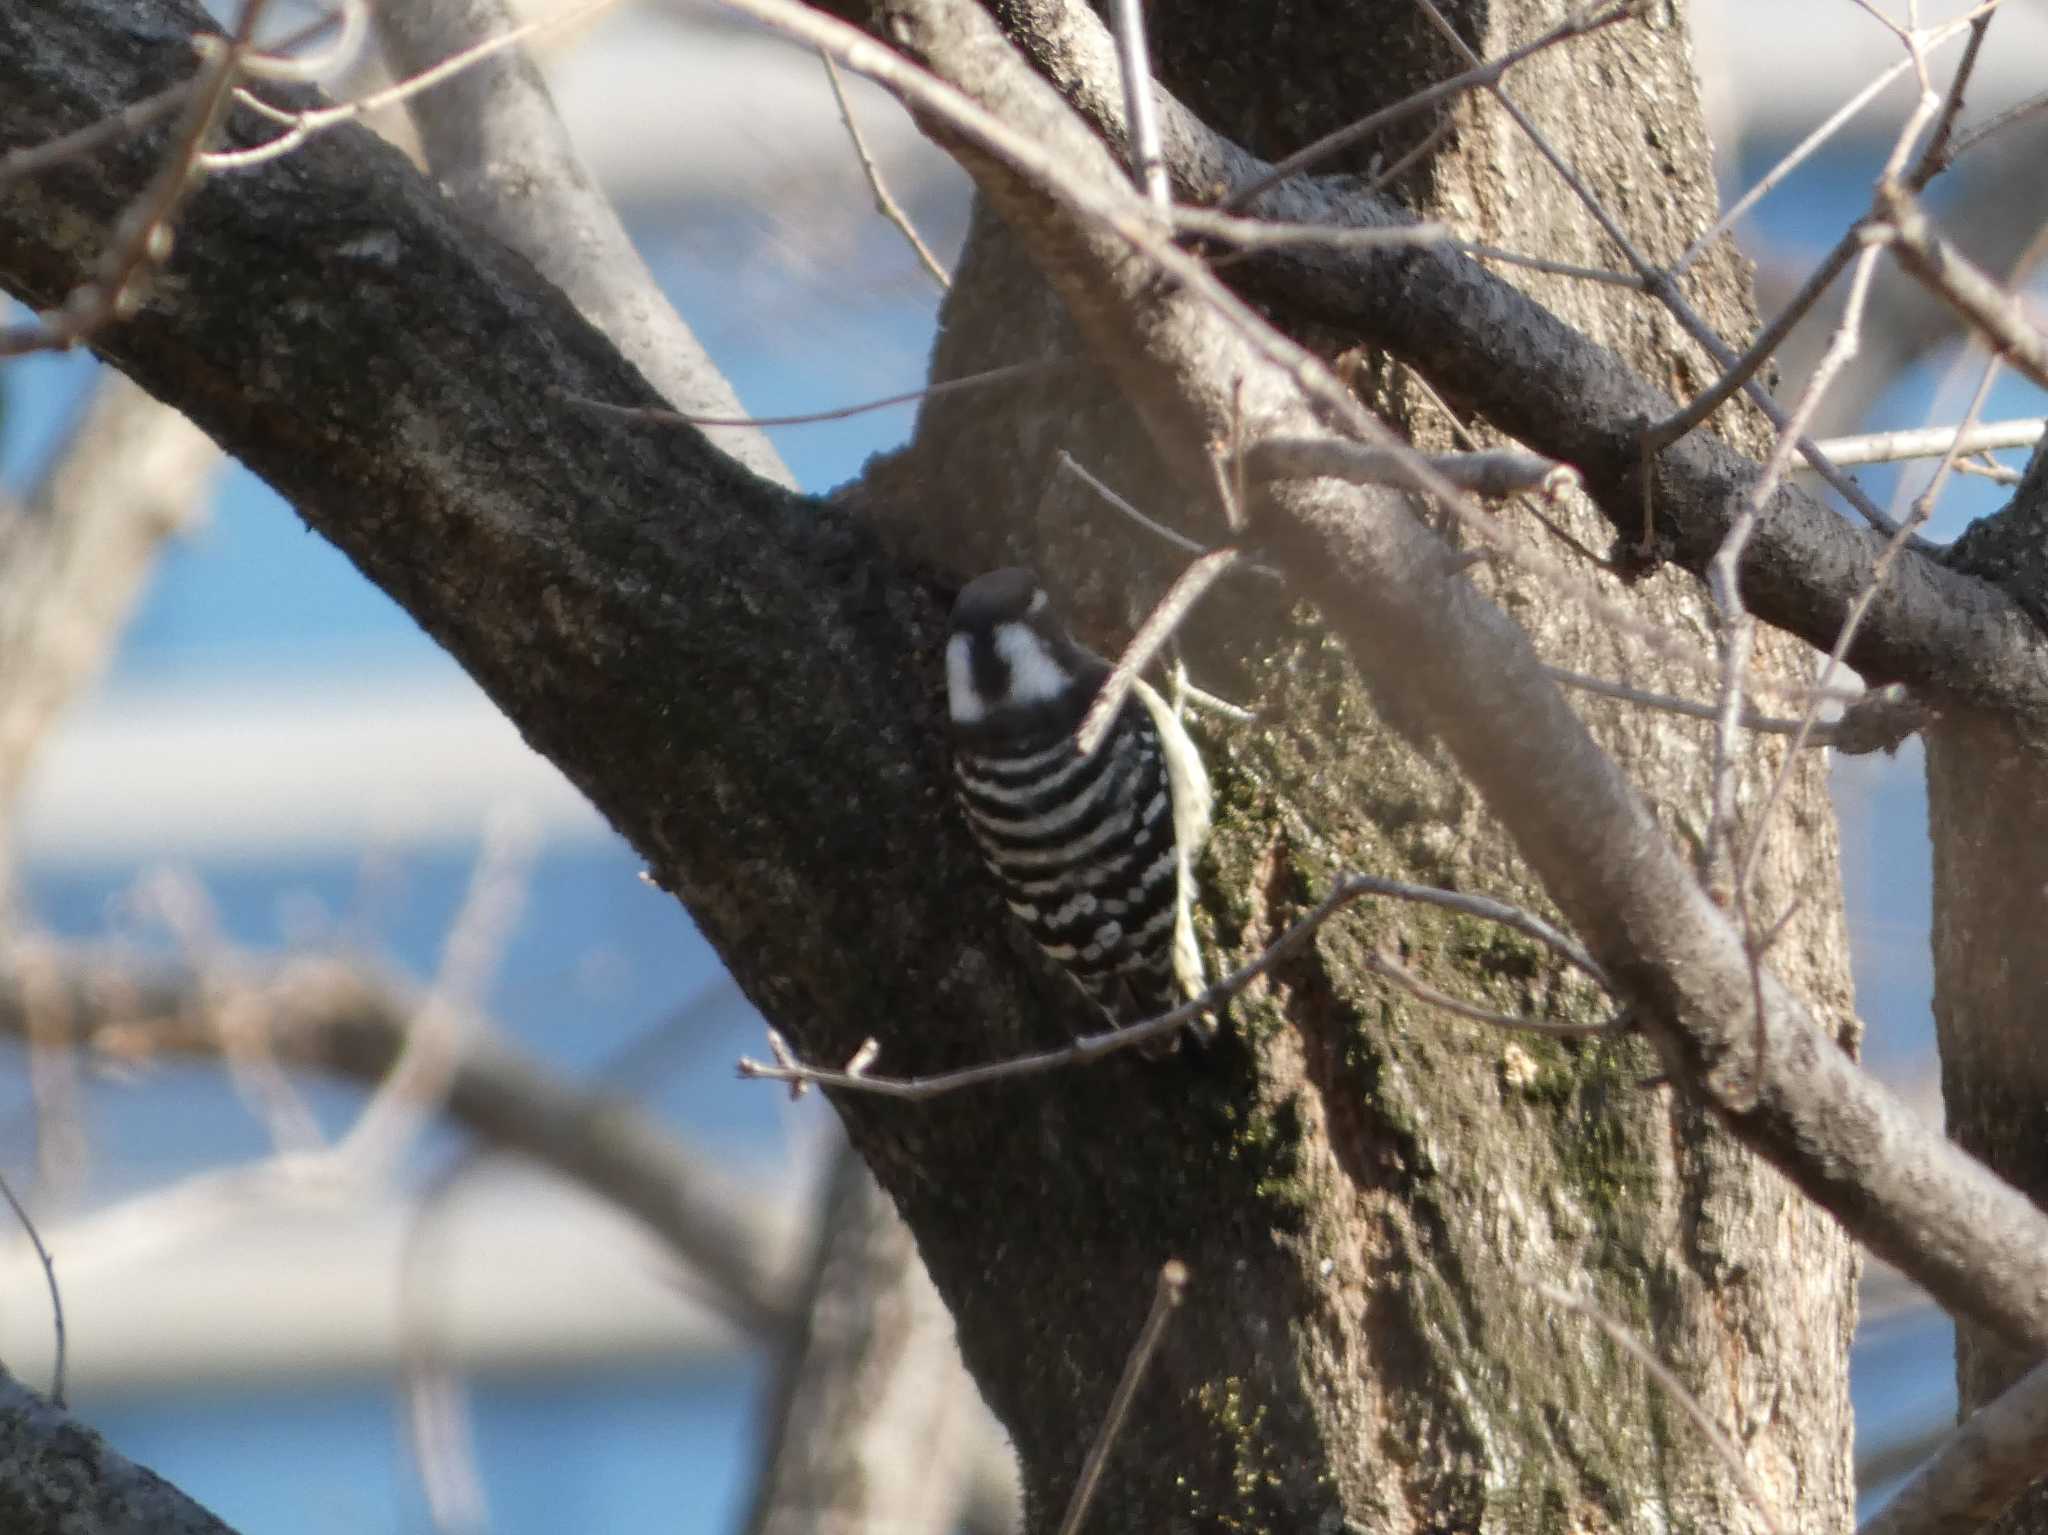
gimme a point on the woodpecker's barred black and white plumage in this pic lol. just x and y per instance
(1094, 853)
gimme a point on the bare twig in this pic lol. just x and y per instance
(1872, 721)
(1791, 161)
(1998, 314)
(1166, 1299)
(132, 118)
(1922, 509)
(301, 126)
(1158, 627)
(1555, 268)
(1495, 474)
(133, 473)
(419, 1079)
(1148, 161)
(139, 114)
(1578, 24)
(1933, 442)
(1657, 282)
(1382, 962)
(885, 200)
(142, 238)
(1067, 464)
(1256, 234)
(281, 64)
(35, 1238)
(437, 1418)
(2021, 112)
(1724, 1447)
(1092, 1047)
(1724, 572)
(1739, 373)
(657, 416)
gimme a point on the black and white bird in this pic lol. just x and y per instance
(1094, 853)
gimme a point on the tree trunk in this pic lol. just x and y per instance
(1987, 802)
(1367, 1191)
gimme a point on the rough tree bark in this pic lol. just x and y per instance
(744, 683)
(1424, 1173)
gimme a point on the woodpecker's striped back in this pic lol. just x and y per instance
(1093, 853)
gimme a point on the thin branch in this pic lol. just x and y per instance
(885, 200)
(1555, 268)
(282, 65)
(131, 474)
(662, 417)
(1658, 282)
(75, 145)
(1922, 509)
(439, 1434)
(1740, 372)
(35, 1238)
(1166, 1299)
(1092, 1047)
(2022, 112)
(351, 1023)
(139, 114)
(1874, 721)
(1148, 162)
(1792, 160)
(1578, 24)
(1724, 570)
(301, 126)
(1933, 442)
(1998, 314)
(1381, 962)
(142, 237)
(1187, 590)
(1259, 234)
(1494, 474)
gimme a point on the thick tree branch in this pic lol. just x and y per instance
(1445, 660)
(1490, 347)
(744, 682)
(58, 1477)
(497, 146)
(348, 1022)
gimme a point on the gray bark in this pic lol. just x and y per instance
(58, 1477)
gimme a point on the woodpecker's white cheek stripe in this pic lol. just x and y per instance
(961, 698)
(1035, 677)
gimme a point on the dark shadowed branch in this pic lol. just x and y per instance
(60, 1478)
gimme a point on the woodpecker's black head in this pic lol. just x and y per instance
(1010, 666)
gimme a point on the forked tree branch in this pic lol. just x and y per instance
(345, 1021)
(1447, 659)
(1494, 350)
